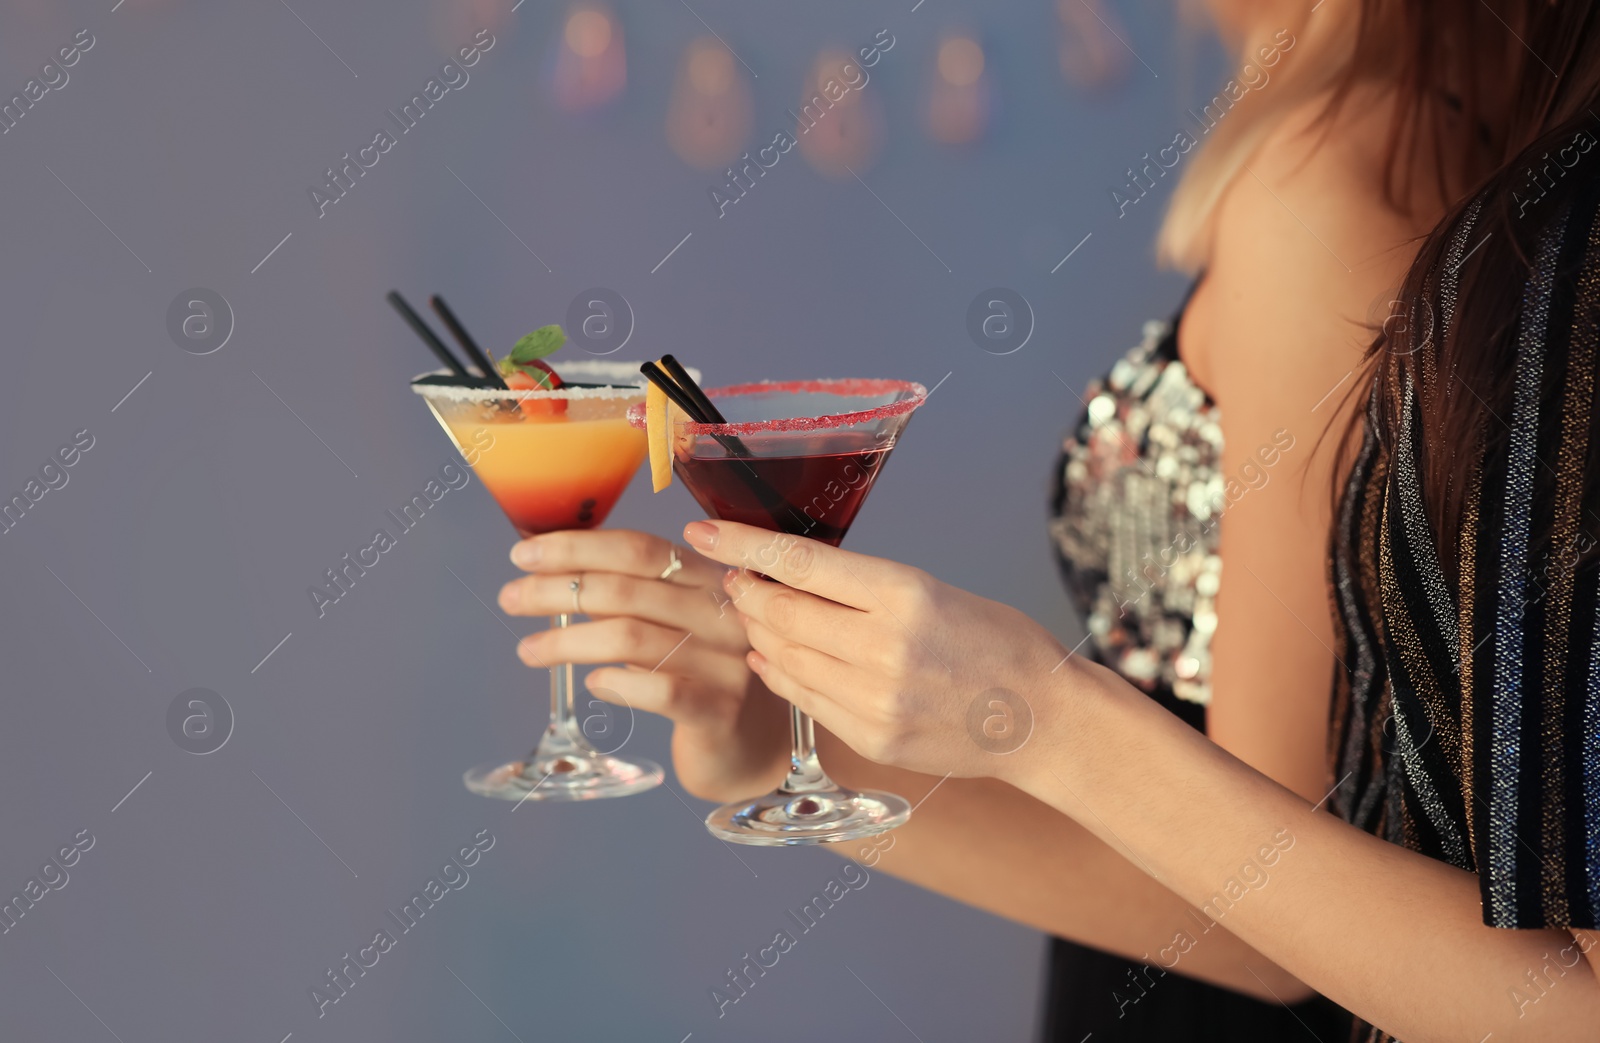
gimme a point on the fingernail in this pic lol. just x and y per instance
(757, 661)
(525, 554)
(701, 534)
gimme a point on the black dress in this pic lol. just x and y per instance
(1137, 499)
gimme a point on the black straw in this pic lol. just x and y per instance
(468, 345)
(685, 397)
(678, 395)
(429, 338)
(689, 398)
(685, 381)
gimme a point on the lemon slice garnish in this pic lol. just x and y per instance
(658, 432)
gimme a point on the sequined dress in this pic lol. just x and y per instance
(1137, 500)
(1136, 506)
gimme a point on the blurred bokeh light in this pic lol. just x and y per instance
(959, 98)
(590, 68)
(709, 116)
(839, 125)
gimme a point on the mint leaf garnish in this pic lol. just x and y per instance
(545, 340)
(539, 371)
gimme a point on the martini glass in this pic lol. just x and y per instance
(553, 460)
(797, 458)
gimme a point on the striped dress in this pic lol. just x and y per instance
(1466, 701)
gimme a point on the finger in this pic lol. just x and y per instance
(795, 561)
(805, 619)
(604, 594)
(611, 550)
(832, 699)
(829, 678)
(785, 687)
(704, 700)
(622, 639)
(842, 718)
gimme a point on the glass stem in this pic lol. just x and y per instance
(805, 771)
(562, 735)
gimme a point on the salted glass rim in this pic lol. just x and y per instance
(862, 387)
(625, 375)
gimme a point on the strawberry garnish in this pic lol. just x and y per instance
(523, 370)
(551, 378)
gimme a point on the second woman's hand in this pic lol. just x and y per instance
(680, 645)
(906, 670)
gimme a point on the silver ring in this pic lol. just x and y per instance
(576, 586)
(673, 566)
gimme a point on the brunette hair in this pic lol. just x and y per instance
(1525, 76)
(1498, 99)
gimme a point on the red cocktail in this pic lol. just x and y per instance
(797, 458)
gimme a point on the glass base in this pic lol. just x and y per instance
(565, 776)
(785, 818)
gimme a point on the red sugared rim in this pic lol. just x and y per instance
(863, 387)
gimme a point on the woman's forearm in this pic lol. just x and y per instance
(889, 659)
(1391, 934)
(985, 843)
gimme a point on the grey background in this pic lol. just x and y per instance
(180, 550)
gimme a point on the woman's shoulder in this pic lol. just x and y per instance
(1303, 260)
(1324, 177)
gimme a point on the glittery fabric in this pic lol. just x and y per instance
(1506, 731)
(1591, 771)
(1138, 496)
(1136, 532)
(1422, 731)
(1466, 713)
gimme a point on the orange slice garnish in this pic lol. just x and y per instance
(658, 432)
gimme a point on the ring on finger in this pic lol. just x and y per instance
(673, 566)
(576, 586)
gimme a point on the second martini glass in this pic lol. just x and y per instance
(797, 458)
(556, 459)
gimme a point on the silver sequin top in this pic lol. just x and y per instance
(1138, 493)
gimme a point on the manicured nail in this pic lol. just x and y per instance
(525, 554)
(757, 661)
(525, 651)
(701, 534)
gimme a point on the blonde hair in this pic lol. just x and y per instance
(1321, 52)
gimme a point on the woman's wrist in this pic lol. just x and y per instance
(1071, 714)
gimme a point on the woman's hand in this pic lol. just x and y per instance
(680, 643)
(906, 670)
